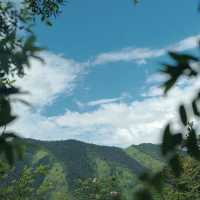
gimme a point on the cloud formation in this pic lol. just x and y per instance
(45, 81)
(141, 55)
(118, 123)
(100, 102)
(113, 122)
(136, 122)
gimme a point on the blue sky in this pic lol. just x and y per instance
(88, 28)
(100, 81)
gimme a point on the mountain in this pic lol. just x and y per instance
(67, 162)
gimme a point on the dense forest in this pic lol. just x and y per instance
(76, 170)
(73, 169)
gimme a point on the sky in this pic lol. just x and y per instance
(100, 81)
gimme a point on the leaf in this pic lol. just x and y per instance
(192, 144)
(181, 67)
(195, 108)
(11, 146)
(152, 180)
(170, 141)
(19, 148)
(177, 139)
(29, 42)
(168, 85)
(9, 153)
(48, 23)
(24, 102)
(5, 112)
(39, 58)
(183, 115)
(143, 194)
(182, 58)
(145, 177)
(157, 181)
(166, 140)
(4, 91)
(173, 72)
(136, 2)
(175, 165)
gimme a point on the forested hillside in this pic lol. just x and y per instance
(58, 169)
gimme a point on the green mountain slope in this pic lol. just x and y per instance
(66, 162)
(150, 149)
(144, 158)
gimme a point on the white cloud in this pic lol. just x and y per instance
(185, 44)
(138, 55)
(156, 78)
(137, 122)
(46, 80)
(104, 101)
(113, 122)
(153, 92)
(127, 124)
(100, 102)
(119, 124)
(141, 55)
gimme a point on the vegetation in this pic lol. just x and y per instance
(61, 178)
(98, 189)
(182, 65)
(187, 186)
(22, 187)
(142, 157)
(16, 49)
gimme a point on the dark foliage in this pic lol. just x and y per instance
(15, 53)
(76, 156)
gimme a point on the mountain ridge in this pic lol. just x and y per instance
(69, 161)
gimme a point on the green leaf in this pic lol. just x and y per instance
(29, 42)
(9, 153)
(145, 177)
(152, 180)
(182, 58)
(175, 165)
(19, 148)
(4, 91)
(157, 181)
(166, 140)
(192, 145)
(11, 146)
(48, 23)
(195, 108)
(5, 112)
(170, 141)
(173, 72)
(181, 67)
(143, 194)
(183, 115)
(136, 2)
